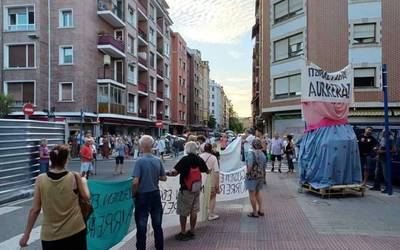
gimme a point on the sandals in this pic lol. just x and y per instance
(251, 215)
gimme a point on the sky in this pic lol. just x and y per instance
(221, 30)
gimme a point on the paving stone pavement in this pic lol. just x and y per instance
(287, 224)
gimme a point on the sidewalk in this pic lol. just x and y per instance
(297, 221)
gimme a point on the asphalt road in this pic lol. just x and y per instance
(13, 216)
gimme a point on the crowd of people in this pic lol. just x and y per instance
(57, 190)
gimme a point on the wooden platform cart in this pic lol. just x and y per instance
(336, 190)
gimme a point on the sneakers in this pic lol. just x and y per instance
(182, 237)
(213, 217)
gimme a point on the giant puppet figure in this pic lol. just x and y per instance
(328, 152)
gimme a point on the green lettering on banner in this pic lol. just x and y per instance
(113, 209)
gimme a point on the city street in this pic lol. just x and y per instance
(13, 216)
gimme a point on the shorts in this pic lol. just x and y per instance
(188, 203)
(254, 185)
(273, 157)
(119, 160)
(86, 166)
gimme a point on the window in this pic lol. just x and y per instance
(21, 92)
(166, 90)
(166, 111)
(152, 36)
(364, 33)
(212, 112)
(65, 91)
(288, 47)
(286, 9)
(132, 73)
(212, 97)
(153, 84)
(180, 97)
(66, 55)
(20, 19)
(364, 77)
(131, 45)
(152, 108)
(184, 66)
(131, 16)
(66, 18)
(117, 95)
(184, 82)
(288, 86)
(152, 12)
(184, 99)
(166, 69)
(103, 94)
(19, 56)
(152, 60)
(212, 104)
(166, 49)
(132, 103)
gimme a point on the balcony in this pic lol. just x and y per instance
(21, 27)
(141, 8)
(109, 75)
(142, 36)
(143, 87)
(159, 117)
(111, 108)
(160, 95)
(111, 46)
(142, 113)
(160, 73)
(110, 13)
(142, 59)
(160, 29)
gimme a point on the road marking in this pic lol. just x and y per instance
(18, 202)
(4, 210)
(127, 238)
(13, 243)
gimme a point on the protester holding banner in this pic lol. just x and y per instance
(147, 173)
(189, 168)
(256, 163)
(212, 163)
(56, 194)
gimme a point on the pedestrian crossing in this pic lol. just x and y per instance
(13, 243)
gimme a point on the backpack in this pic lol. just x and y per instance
(257, 172)
(193, 181)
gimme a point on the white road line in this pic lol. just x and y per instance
(4, 210)
(18, 202)
(13, 243)
(127, 238)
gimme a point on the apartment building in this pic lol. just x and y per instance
(216, 103)
(107, 58)
(194, 89)
(179, 84)
(331, 34)
(204, 88)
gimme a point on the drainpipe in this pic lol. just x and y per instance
(49, 56)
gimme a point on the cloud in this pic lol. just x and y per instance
(240, 95)
(235, 54)
(212, 21)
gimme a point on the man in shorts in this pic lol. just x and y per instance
(276, 151)
(86, 155)
(188, 201)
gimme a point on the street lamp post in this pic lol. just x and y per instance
(388, 164)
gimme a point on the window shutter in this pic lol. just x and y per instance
(281, 86)
(281, 9)
(295, 5)
(281, 49)
(364, 30)
(364, 72)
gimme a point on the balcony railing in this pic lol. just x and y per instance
(108, 39)
(160, 50)
(110, 74)
(109, 5)
(159, 27)
(160, 72)
(143, 113)
(160, 94)
(142, 8)
(21, 27)
(142, 61)
(142, 34)
(143, 87)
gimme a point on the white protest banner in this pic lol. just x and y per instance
(322, 86)
(169, 191)
(232, 185)
(230, 157)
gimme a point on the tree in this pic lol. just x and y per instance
(211, 122)
(234, 122)
(5, 105)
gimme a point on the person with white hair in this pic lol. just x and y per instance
(148, 171)
(189, 169)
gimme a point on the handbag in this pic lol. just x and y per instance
(85, 205)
